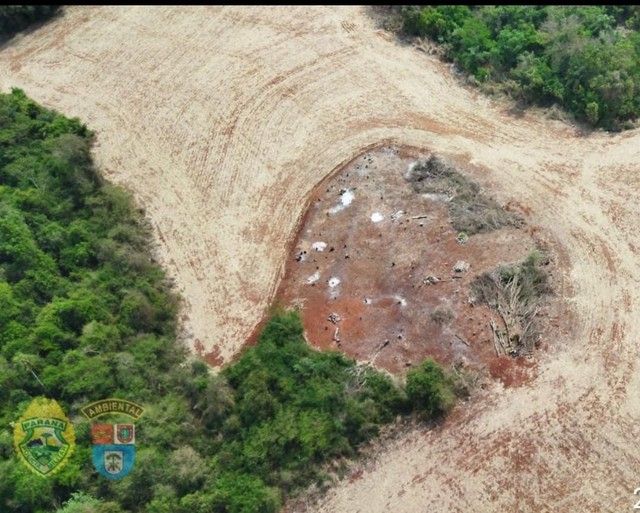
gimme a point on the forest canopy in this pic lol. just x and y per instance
(14, 18)
(585, 58)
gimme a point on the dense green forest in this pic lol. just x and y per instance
(14, 18)
(585, 58)
(85, 315)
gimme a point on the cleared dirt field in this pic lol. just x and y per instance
(222, 120)
(357, 272)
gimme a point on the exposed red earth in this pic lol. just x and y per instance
(359, 271)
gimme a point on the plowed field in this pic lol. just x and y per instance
(222, 120)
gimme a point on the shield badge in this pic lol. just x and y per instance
(125, 433)
(114, 461)
(113, 449)
(43, 437)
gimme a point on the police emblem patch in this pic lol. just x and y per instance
(43, 437)
(113, 444)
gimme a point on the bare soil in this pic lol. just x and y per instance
(222, 120)
(359, 271)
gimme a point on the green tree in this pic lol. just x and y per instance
(81, 502)
(513, 42)
(429, 391)
(472, 45)
(241, 493)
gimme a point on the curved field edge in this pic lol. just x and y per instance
(87, 315)
(288, 95)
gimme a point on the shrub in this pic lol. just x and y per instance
(429, 390)
(441, 315)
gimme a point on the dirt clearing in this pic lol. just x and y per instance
(380, 274)
(222, 120)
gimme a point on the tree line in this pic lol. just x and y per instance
(14, 18)
(585, 58)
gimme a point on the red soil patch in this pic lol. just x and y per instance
(213, 357)
(384, 306)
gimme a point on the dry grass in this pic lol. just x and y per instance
(470, 210)
(441, 315)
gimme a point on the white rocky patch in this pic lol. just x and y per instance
(314, 277)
